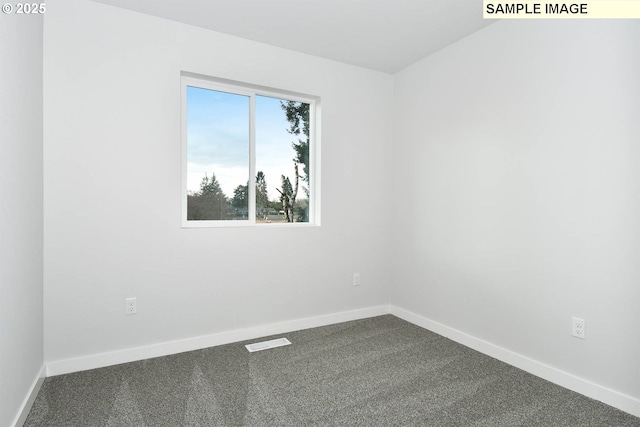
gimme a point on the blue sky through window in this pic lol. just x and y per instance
(218, 140)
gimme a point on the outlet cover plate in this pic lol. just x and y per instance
(578, 328)
(130, 306)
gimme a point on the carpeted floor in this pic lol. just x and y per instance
(381, 371)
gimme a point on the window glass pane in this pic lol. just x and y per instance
(217, 155)
(282, 160)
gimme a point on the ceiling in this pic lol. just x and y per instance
(384, 35)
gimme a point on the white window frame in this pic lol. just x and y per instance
(239, 88)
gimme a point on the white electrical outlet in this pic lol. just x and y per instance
(356, 279)
(130, 306)
(577, 328)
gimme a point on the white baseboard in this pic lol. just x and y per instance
(23, 412)
(65, 366)
(610, 397)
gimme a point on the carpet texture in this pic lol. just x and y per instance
(381, 371)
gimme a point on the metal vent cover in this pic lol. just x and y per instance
(265, 345)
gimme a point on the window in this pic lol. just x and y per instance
(249, 155)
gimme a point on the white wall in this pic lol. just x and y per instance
(516, 160)
(21, 327)
(112, 194)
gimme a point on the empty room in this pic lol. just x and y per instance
(443, 228)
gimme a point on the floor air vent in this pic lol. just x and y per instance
(265, 345)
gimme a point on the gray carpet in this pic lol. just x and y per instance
(381, 371)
